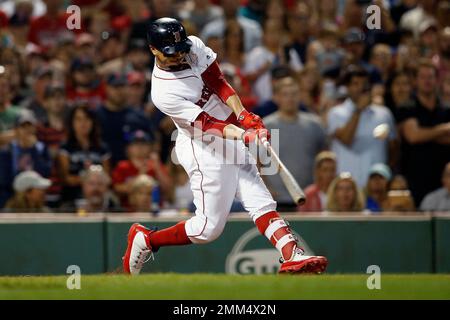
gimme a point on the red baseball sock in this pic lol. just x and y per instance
(172, 236)
(278, 230)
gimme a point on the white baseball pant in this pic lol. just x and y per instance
(215, 184)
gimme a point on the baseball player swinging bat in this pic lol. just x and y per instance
(289, 182)
(189, 87)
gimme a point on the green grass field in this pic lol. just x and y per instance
(219, 286)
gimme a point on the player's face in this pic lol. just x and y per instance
(168, 61)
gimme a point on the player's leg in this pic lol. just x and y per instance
(213, 185)
(258, 201)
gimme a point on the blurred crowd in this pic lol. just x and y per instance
(363, 112)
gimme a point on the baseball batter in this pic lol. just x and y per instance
(188, 86)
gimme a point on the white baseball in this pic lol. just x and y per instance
(381, 131)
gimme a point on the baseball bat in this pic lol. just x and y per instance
(292, 186)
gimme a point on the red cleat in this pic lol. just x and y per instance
(138, 250)
(304, 264)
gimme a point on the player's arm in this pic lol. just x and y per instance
(215, 80)
(186, 113)
(227, 130)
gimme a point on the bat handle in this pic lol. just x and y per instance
(265, 142)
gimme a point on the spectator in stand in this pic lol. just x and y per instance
(398, 182)
(85, 48)
(141, 160)
(400, 8)
(140, 193)
(8, 112)
(445, 91)
(439, 200)
(216, 28)
(298, 21)
(99, 24)
(309, 85)
(381, 58)
(344, 195)
(351, 128)
(399, 196)
(254, 10)
(96, 194)
(62, 58)
(377, 187)
(14, 70)
(82, 149)
(19, 22)
(275, 10)
(355, 46)
(444, 56)
(260, 61)
(330, 58)
(47, 29)
(443, 12)
(201, 13)
(425, 10)
(233, 44)
(34, 58)
(136, 58)
(308, 133)
(53, 134)
(85, 85)
(398, 92)
(240, 85)
(111, 47)
(137, 91)
(29, 196)
(429, 39)
(425, 129)
(3, 20)
(327, 13)
(42, 77)
(324, 174)
(117, 120)
(157, 9)
(279, 75)
(52, 131)
(24, 153)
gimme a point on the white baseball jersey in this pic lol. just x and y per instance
(215, 184)
(182, 95)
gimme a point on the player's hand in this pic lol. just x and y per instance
(249, 120)
(253, 135)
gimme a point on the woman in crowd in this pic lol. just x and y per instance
(29, 187)
(324, 174)
(344, 195)
(82, 149)
(398, 91)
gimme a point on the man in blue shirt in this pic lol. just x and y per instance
(22, 154)
(117, 120)
(362, 133)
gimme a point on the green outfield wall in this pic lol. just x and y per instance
(48, 244)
